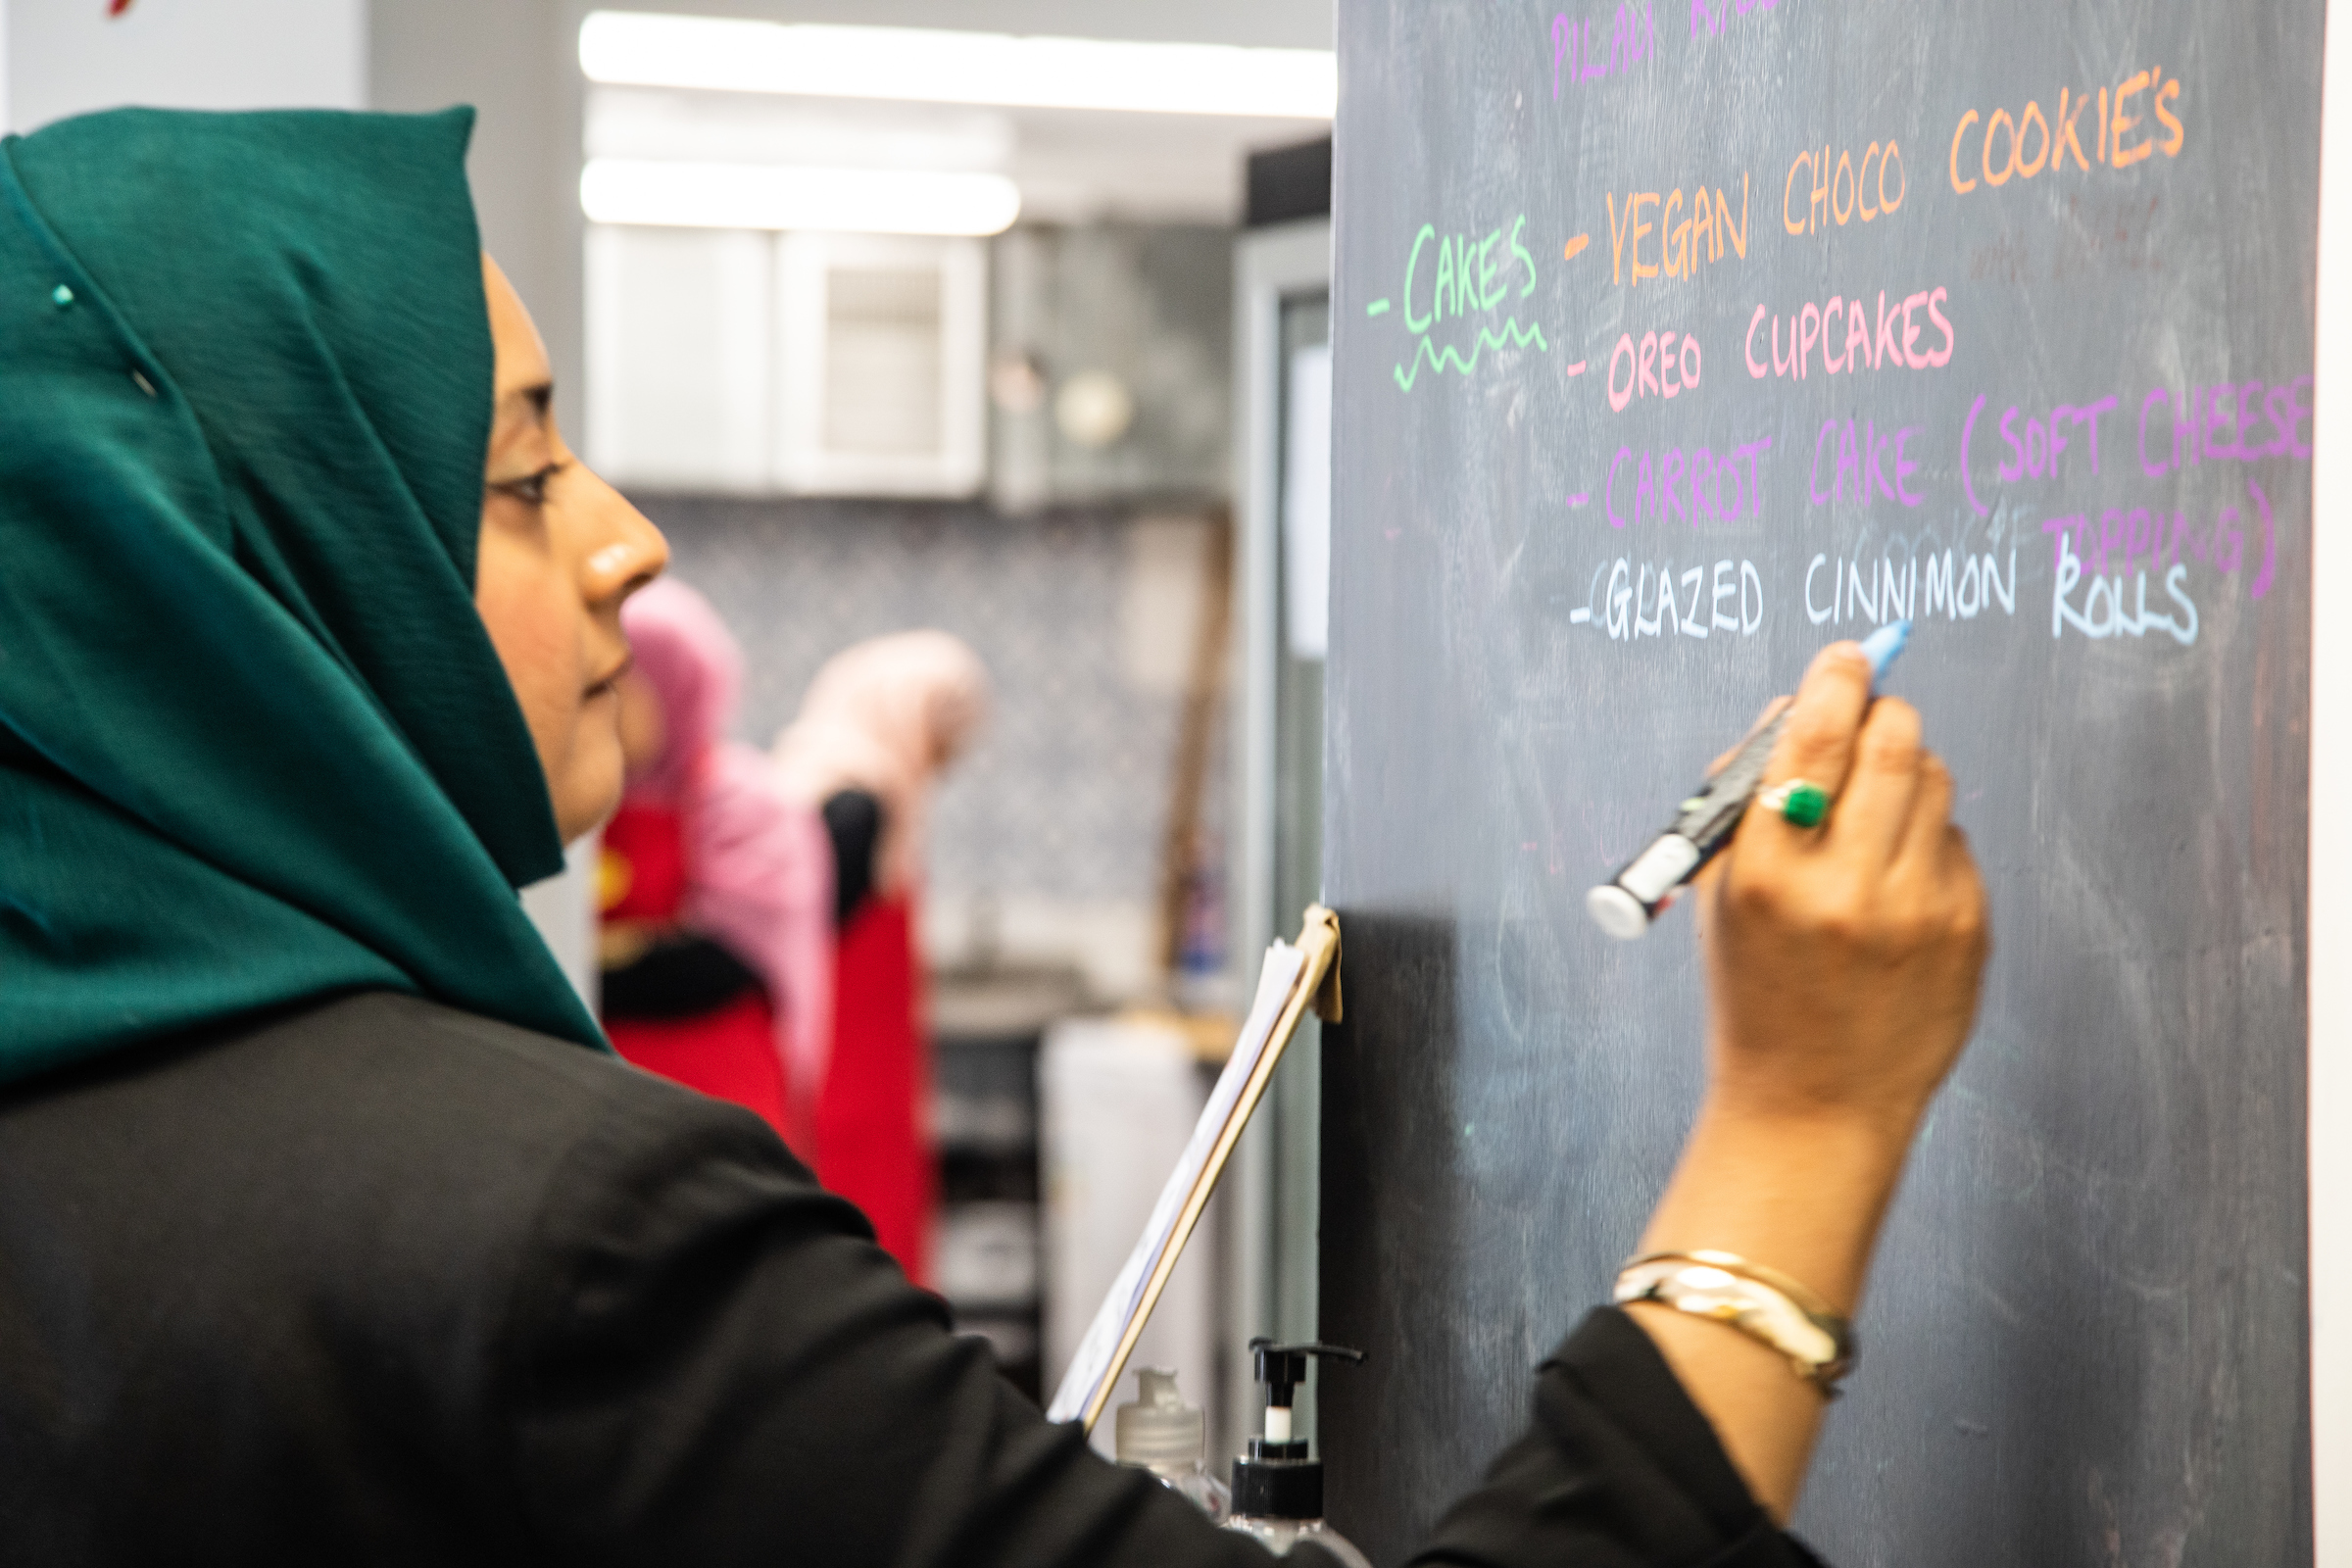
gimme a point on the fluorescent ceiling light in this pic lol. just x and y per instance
(934, 66)
(821, 132)
(864, 201)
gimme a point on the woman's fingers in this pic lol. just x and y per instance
(1873, 810)
(1926, 836)
(1772, 710)
(1818, 743)
(1965, 883)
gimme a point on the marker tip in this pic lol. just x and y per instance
(1881, 646)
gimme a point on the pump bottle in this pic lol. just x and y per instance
(1278, 1491)
(1168, 1436)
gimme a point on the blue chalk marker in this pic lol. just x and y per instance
(1625, 906)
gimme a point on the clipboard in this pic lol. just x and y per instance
(1292, 979)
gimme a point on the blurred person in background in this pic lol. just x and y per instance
(716, 886)
(878, 726)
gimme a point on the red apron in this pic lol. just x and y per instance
(728, 1052)
(873, 1134)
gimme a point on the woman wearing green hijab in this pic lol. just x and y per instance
(331, 1232)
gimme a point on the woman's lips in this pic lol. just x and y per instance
(605, 686)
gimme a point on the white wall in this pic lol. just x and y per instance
(518, 63)
(68, 57)
(2331, 975)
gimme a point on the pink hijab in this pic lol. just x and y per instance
(886, 716)
(760, 866)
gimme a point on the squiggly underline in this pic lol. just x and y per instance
(1444, 359)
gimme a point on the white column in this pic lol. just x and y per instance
(2329, 961)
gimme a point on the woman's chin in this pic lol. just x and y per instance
(589, 792)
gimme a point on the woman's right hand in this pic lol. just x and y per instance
(1843, 960)
(1843, 963)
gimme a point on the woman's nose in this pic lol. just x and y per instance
(631, 553)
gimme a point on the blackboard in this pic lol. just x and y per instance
(1671, 342)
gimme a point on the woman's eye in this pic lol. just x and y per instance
(531, 489)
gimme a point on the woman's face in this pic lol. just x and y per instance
(560, 550)
(643, 725)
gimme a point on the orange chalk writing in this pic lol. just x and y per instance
(2123, 124)
(1835, 194)
(1670, 234)
(1989, 148)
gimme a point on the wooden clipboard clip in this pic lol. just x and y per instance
(1328, 1007)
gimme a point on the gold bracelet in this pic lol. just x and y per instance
(1763, 1303)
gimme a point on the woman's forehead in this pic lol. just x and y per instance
(523, 375)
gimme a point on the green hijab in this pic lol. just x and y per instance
(256, 747)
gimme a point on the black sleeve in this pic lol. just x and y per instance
(1618, 1468)
(677, 977)
(853, 822)
(709, 1361)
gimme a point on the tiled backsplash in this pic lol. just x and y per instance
(1045, 841)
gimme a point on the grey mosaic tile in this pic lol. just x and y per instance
(1067, 792)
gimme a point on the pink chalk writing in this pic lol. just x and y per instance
(1851, 338)
(1858, 467)
(1694, 485)
(2225, 422)
(1713, 15)
(2036, 443)
(1657, 368)
(2035, 449)
(2122, 536)
(1627, 37)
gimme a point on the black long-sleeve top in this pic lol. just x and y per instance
(384, 1283)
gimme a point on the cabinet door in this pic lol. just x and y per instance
(881, 364)
(681, 354)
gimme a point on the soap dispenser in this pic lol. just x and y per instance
(1278, 1491)
(1168, 1436)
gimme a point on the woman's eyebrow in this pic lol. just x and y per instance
(534, 401)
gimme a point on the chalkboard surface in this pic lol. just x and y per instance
(1671, 343)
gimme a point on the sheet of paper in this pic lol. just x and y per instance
(1092, 1364)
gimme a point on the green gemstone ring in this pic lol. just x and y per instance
(1800, 803)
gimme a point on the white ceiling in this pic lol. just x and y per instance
(1278, 23)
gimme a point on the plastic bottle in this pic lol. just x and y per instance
(1278, 1491)
(1168, 1436)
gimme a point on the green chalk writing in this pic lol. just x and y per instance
(1441, 360)
(1464, 277)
